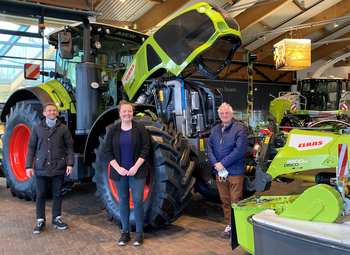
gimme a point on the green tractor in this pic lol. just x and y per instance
(317, 102)
(97, 66)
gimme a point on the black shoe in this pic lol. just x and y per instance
(57, 223)
(138, 238)
(124, 239)
(39, 227)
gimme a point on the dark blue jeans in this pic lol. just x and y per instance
(57, 183)
(137, 187)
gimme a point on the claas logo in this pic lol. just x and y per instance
(310, 144)
(130, 71)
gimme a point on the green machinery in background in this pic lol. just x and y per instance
(317, 101)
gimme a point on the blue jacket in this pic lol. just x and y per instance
(228, 147)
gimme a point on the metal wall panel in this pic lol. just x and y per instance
(129, 11)
(281, 15)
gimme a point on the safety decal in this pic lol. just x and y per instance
(343, 163)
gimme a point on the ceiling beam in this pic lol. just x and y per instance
(327, 33)
(254, 14)
(49, 22)
(76, 4)
(153, 1)
(338, 10)
(158, 14)
(328, 49)
(95, 2)
(116, 23)
(265, 25)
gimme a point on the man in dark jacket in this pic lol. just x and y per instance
(51, 150)
(226, 152)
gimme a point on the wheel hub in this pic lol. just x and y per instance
(287, 130)
(18, 151)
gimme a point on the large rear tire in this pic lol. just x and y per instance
(20, 123)
(168, 186)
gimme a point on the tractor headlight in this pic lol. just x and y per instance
(95, 85)
(105, 78)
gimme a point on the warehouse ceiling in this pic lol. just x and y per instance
(262, 23)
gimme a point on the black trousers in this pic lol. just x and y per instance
(42, 184)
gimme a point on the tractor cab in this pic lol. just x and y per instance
(324, 94)
(111, 47)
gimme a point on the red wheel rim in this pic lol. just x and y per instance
(145, 191)
(201, 174)
(18, 151)
(286, 130)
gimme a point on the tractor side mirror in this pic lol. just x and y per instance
(65, 45)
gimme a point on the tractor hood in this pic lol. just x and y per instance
(181, 42)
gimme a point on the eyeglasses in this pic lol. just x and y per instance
(225, 113)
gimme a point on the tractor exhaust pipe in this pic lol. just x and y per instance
(88, 78)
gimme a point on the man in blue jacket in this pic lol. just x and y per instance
(51, 152)
(226, 150)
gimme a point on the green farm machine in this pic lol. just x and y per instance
(317, 102)
(97, 66)
(314, 121)
(319, 207)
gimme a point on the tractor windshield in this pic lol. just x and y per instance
(114, 56)
(321, 95)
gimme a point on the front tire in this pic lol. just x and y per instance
(19, 124)
(168, 186)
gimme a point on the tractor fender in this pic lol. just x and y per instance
(34, 93)
(99, 128)
(51, 91)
